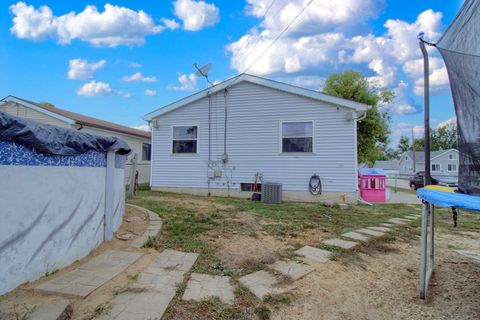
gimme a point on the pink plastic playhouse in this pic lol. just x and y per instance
(371, 182)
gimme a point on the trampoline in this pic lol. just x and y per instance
(460, 49)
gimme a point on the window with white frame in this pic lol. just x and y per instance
(452, 156)
(452, 167)
(184, 139)
(146, 151)
(436, 167)
(297, 136)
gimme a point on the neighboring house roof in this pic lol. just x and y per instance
(244, 77)
(387, 164)
(81, 119)
(420, 155)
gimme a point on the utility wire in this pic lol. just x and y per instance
(268, 9)
(274, 40)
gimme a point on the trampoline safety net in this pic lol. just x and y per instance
(460, 49)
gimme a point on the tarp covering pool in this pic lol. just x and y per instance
(450, 199)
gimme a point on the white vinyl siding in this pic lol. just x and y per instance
(255, 114)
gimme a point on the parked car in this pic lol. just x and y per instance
(417, 180)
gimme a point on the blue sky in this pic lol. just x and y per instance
(88, 60)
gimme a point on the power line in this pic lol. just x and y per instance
(268, 9)
(275, 40)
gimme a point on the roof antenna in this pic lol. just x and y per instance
(203, 71)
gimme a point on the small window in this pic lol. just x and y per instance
(452, 156)
(185, 139)
(297, 136)
(452, 168)
(436, 167)
(146, 152)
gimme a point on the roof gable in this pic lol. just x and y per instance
(72, 117)
(356, 106)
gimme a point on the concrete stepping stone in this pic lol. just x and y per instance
(56, 310)
(314, 254)
(382, 229)
(388, 225)
(355, 236)
(475, 256)
(159, 282)
(344, 244)
(204, 286)
(411, 217)
(291, 269)
(371, 232)
(262, 284)
(91, 275)
(398, 221)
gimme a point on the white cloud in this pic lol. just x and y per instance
(438, 75)
(150, 92)
(135, 65)
(113, 27)
(139, 77)
(143, 127)
(196, 15)
(94, 88)
(307, 81)
(81, 69)
(404, 129)
(187, 83)
(449, 122)
(170, 24)
(403, 103)
(331, 34)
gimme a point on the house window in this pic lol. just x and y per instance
(452, 168)
(297, 136)
(436, 167)
(185, 139)
(146, 151)
(452, 156)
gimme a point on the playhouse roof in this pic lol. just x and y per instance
(371, 172)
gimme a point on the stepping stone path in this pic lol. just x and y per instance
(159, 284)
(84, 280)
(371, 232)
(314, 254)
(262, 284)
(382, 229)
(203, 286)
(344, 244)
(412, 217)
(291, 269)
(154, 228)
(56, 310)
(355, 236)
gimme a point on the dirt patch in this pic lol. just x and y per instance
(19, 301)
(195, 204)
(385, 286)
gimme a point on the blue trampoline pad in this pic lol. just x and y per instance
(450, 199)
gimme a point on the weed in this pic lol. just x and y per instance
(277, 299)
(263, 312)
(133, 277)
(180, 289)
(101, 308)
(151, 242)
(49, 272)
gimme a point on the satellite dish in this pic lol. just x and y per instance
(203, 71)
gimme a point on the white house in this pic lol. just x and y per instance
(138, 140)
(444, 163)
(389, 166)
(217, 140)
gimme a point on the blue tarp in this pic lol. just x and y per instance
(51, 139)
(371, 172)
(450, 199)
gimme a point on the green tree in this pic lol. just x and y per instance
(404, 144)
(373, 130)
(444, 137)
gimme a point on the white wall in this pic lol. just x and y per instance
(51, 216)
(253, 142)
